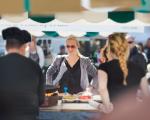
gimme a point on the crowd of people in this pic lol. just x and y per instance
(123, 68)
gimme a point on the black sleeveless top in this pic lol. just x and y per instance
(115, 77)
(71, 78)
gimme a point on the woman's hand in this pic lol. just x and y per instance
(57, 85)
(106, 108)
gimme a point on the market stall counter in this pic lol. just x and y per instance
(70, 107)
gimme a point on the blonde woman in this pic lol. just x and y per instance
(73, 69)
(116, 75)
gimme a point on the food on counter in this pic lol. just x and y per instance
(97, 97)
(48, 94)
(70, 97)
(85, 97)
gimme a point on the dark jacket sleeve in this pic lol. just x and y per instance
(41, 89)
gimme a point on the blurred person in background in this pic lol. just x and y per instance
(62, 50)
(103, 56)
(87, 49)
(95, 51)
(22, 81)
(136, 55)
(45, 47)
(49, 56)
(117, 74)
(35, 52)
(72, 69)
(141, 49)
(39, 42)
(147, 49)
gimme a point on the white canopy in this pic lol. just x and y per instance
(77, 26)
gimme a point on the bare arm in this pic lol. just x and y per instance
(144, 86)
(102, 81)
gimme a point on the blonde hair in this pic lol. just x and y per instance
(73, 38)
(118, 45)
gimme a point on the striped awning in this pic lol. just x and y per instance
(11, 7)
(116, 16)
(121, 3)
(69, 11)
(46, 7)
(78, 26)
(123, 20)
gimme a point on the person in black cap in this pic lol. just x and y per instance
(62, 50)
(21, 79)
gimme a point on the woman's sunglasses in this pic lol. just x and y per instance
(130, 42)
(71, 46)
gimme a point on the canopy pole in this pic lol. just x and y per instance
(27, 5)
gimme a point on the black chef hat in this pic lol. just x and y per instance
(11, 33)
(26, 36)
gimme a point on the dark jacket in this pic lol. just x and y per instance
(137, 58)
(21, 88)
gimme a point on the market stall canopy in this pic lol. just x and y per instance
(144, 17)
(11, 7)
(120, 15)
(122, 20)
(46, 7)
(87, 15)
(15, 18)
(92, 17)
(36, 33)
(77, 34)
(78, 26)
(115, 3)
